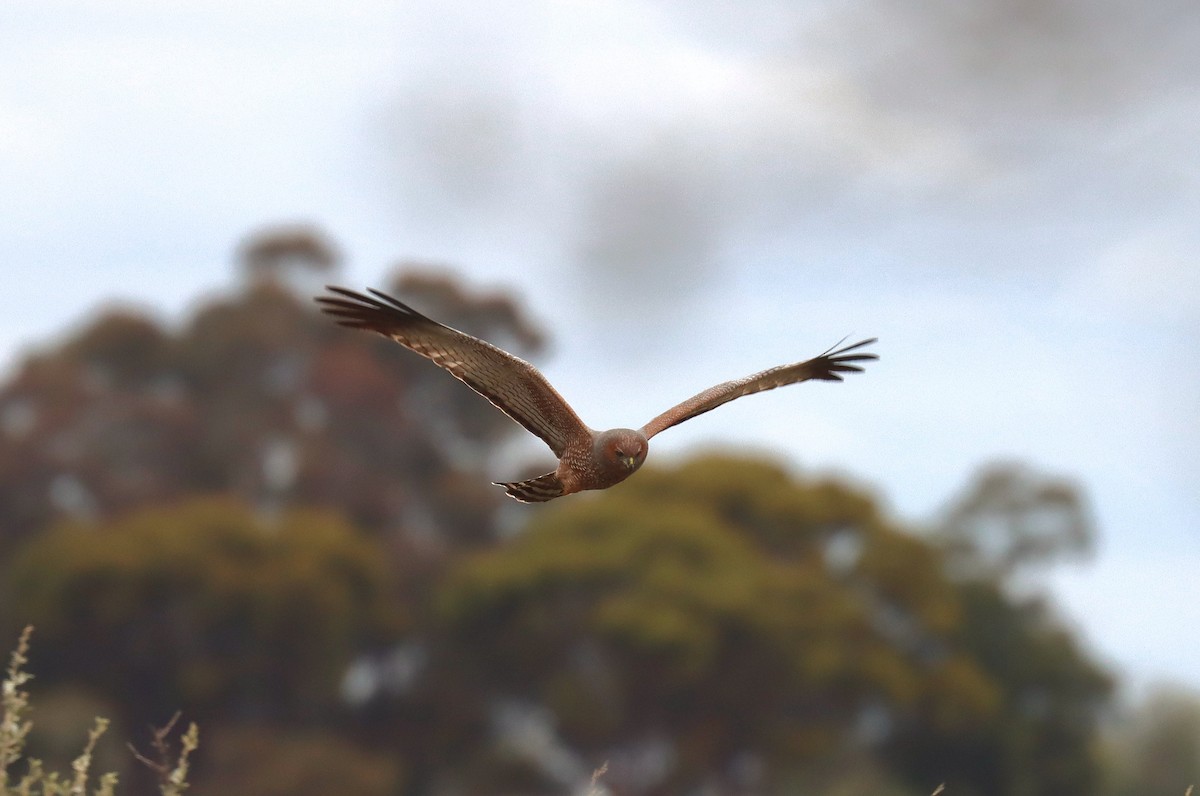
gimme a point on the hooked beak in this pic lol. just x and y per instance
(629, 462)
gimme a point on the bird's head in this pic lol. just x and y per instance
(622, 449)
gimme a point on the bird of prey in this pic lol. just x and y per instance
(587, 459)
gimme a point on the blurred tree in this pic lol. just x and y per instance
(207, 607)
(258, 760)
(259, 396)
(724, 617)
(1156, 749)
(1009, 520)
(58, 718)
(1011, 517)
(288, 254)
(722, 625)
(1052, 697)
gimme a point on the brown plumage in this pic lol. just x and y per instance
(588, 459)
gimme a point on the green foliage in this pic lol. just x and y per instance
(205, 604)
(1051, 696)
(724, 604)
(36, 780)
(1042, 738)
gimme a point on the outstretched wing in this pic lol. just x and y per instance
(516, 388)
(827, 367)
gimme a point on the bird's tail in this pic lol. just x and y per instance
(535, 490)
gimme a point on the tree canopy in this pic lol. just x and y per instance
(259, 397)
(206, 606)
(740, 612)
(287, 530)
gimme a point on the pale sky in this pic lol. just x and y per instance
(1008, 195)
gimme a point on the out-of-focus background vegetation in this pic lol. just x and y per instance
(214, 500)
(286, 531)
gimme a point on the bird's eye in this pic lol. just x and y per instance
(619, 452)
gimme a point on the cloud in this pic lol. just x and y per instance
(655, 147)
(870, 104)
(974, 59)
(642, 151)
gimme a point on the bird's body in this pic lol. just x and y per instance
(588, 459)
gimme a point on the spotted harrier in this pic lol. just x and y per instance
(587, 459)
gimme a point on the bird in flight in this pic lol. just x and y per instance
(587, 459)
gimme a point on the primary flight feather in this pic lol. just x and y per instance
(588, 459)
